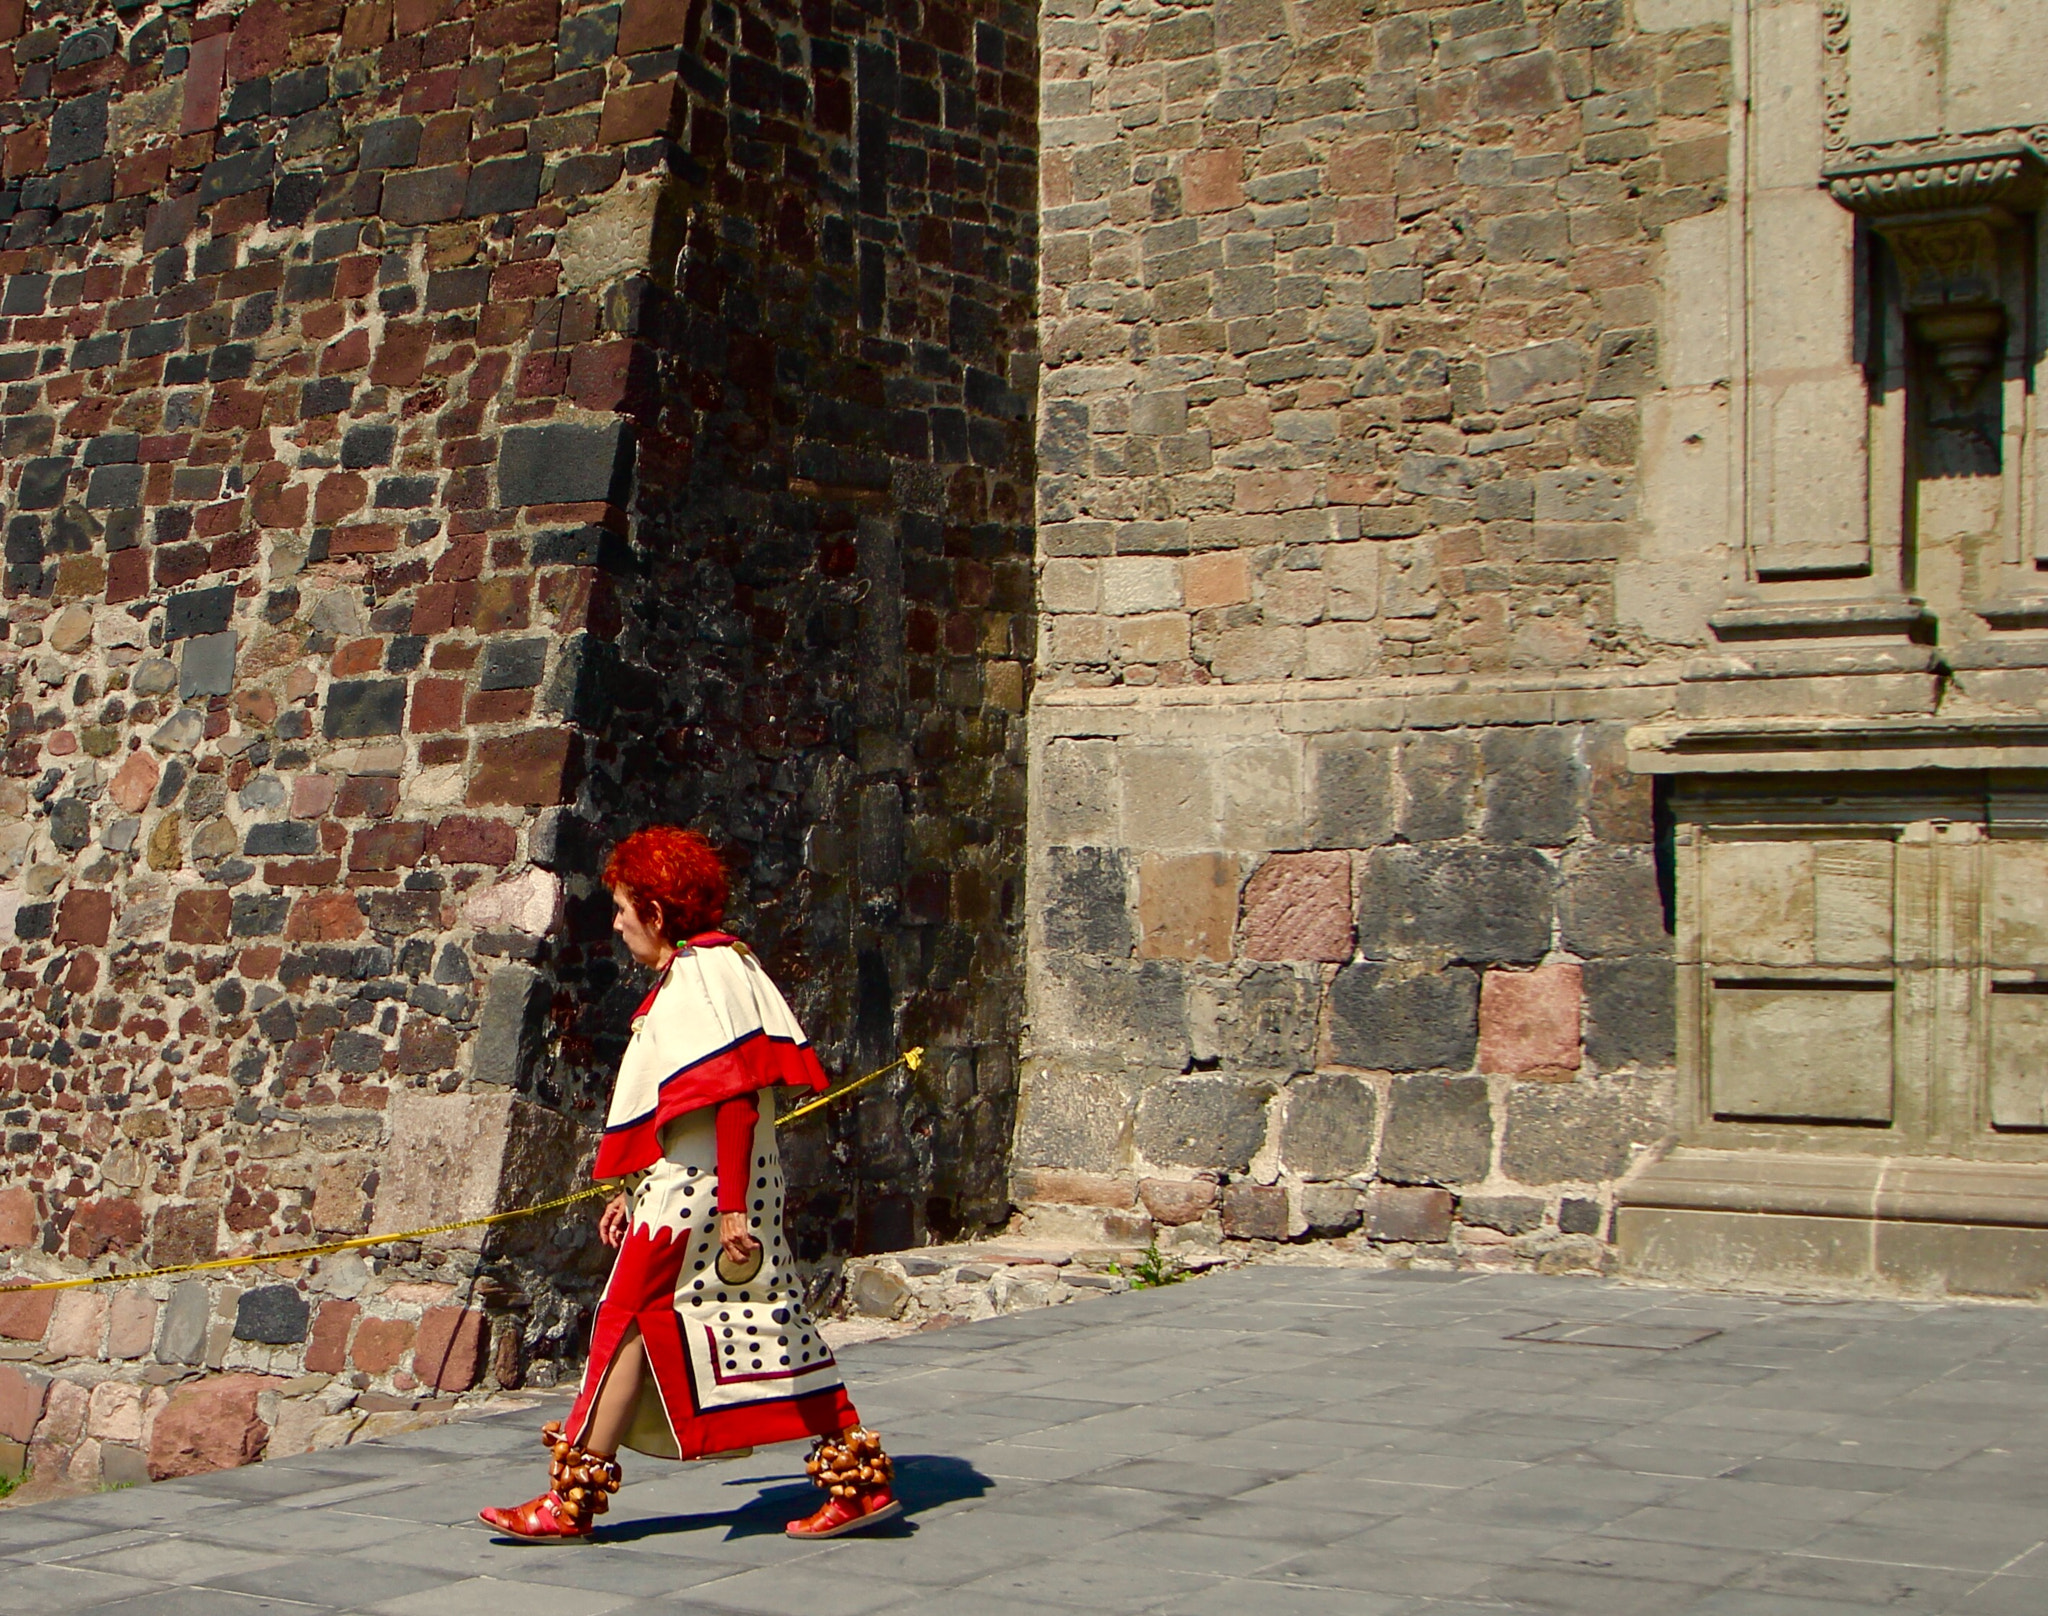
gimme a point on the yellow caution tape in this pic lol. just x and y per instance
(911, 1058)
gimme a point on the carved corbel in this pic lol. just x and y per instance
(1945, 216)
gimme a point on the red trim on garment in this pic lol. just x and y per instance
(641, 1292)
(747, 1066)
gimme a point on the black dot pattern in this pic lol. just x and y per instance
(749, 1342)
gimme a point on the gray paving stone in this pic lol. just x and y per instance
(1269, 1442)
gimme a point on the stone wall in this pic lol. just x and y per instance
(438, 436)
(1349, 918)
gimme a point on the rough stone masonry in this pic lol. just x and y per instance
(439, 434)
(1346, 917)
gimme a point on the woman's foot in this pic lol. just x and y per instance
(856, 1475)
(583, 1485)
(842, 1515)
(540, 1521)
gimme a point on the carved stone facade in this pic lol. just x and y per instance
(1538, 728)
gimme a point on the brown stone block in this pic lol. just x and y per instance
(436, 703)
(181, 1234)
(365, 24)
(85, 917)
(201, 916)
(211, 1425)
(1074, 1189)
(127, 576)
(426, 1045)
(638, 112)
(412, 18)
(1254, 1211)
(533, 770)
(647, 25)
(1298, 907)
(1212, 181)
(21, 1403)
(103, 1224)
(380, 1344)
(261, 42)
(367, 796)
(451, 1348)
(1529, 1022)
(1173, 1202)
(465, 840)
(26, 1315)
(402, 355)
(19, 1223)
(260, 962)
(393, 846)
(1421, 1216)
(306, 872)
(1187, 906)
(512, 23)
(327, 1350)
(325, 917)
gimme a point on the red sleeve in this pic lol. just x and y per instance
(737, 1119)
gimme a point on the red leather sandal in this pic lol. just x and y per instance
(583, 1483)
(856, 1475)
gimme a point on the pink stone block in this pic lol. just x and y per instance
(17, 1219)
(1529, 1022)
(1298, 907)
(131, 1328)
(78, 1326)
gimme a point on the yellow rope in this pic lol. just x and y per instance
(911, 1058)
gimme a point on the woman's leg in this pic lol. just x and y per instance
(611, 1416)
(583, 1474)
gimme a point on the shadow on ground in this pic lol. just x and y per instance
(923, 1481)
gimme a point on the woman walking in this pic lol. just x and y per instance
(701, 1344)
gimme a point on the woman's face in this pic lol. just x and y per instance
(648, 946)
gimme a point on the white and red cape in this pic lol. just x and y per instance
(714, 1027)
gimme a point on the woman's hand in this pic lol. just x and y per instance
(733, 1237)
(613, 1221)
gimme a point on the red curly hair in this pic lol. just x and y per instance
(677, 869)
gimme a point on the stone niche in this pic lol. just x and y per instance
(1884, 358)
(1863, 1028)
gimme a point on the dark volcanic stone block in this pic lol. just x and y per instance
(1203, 1122)
(78, 130)
(513, 664)
(114, 488)
(231, 176)
(565, 463)
(504, 187)
(273, 1314)
(1439, 1131)
(1329, 1127)
(365, 446)
(1534, 782)
(198, 611)
(42, 484)
(1087, 901)
(1478, 905)
(362, 707)
(1393, 1018)
(1631, 1014)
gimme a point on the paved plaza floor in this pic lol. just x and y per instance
(1276, 1440)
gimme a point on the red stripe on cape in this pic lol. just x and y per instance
(757, 1061)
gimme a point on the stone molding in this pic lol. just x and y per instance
(2006, 175)
(1807, 745)
(1889, 1188)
